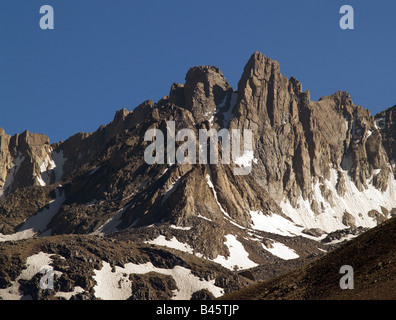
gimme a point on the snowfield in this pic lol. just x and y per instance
(357, 203)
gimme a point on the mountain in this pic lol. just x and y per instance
(319, 172)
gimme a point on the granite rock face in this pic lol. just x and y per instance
(386, 123)
(24, 161)
(204, 90)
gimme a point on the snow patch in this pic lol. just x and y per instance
(110, 226)
(275, 224)
(172, 243)
(117, 286)
(238, 258)
(41, 181)
(246, 159)
(368, 134)
(202, 217)
(34, 264)
(47, 166)
(59, 161)
(210, 184)
(344, 238)
(379, 123)
(227, 115)
(282, 251)
(68, 295)
(180, 228)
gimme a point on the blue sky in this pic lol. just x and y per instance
(104, 55)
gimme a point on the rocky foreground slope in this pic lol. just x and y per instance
(320, 172)
(86, 267)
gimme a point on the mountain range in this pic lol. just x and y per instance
(113, 226)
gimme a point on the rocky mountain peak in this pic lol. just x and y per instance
(265, 95)
(260, 67)
(204, 90)
(341, 98)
